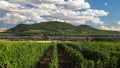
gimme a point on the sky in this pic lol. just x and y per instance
(101, 14)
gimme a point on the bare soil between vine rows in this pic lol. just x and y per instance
(64, 60)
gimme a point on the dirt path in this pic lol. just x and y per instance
(46, 59)
(64, 60)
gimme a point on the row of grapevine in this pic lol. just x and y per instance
(84, 54)
(21, 54)
(78, 58)
(54, 58)
(104, 54)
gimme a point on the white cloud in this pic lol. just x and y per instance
(77, 4)
(118, 22)
(52, 1)
(104, 27)
(17, 12)
(90, 12)
(24, 1)
(7, 7)
(97, 21)
(80, 17)
(47, 7)
(105, 3)
(36, 1)
(13, 18)
(110, 28)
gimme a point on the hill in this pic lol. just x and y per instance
(3, 30)
(55, 28)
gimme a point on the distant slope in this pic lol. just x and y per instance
(91, 31)
(3, 30)
(55, 28)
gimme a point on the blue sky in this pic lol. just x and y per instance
(112, 7)
(102, 14)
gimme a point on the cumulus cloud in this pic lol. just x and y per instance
(7, 7)
(77, 4)
(104, 27)
(118, 22)
(52, 1)
(110, 28)
(105, 3)
(16, 18)
(30, 11)
(37, 1)
(96, 13)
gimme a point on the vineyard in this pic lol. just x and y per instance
(16, 54)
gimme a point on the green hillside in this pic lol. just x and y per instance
(55, 28)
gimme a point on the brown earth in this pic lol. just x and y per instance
(64, 59)
(46, 59)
